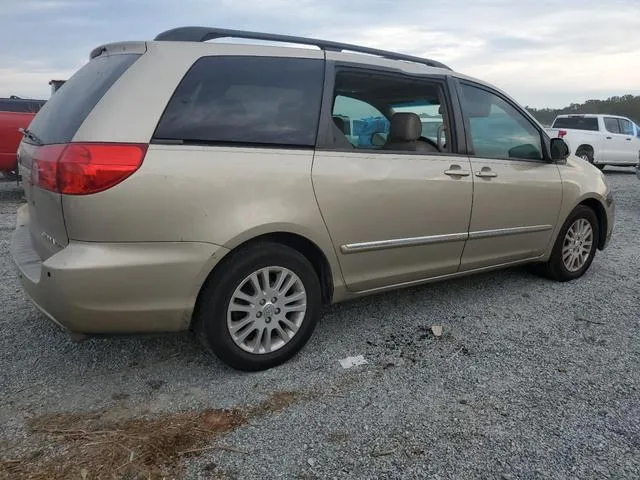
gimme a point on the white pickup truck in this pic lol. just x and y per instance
(599, 139)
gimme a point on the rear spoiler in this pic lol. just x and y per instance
(118, 48)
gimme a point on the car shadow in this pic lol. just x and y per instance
(620, 171)
(10, 191)
(141, 355)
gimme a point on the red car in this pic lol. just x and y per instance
(15, 113)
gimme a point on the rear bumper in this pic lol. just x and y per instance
(115, 287)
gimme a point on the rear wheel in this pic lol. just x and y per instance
(575, 246)
(587, 155)
(260, 308)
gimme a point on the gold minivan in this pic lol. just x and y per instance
(233, 189)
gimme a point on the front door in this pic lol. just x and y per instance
(394, 196)
(517, 193)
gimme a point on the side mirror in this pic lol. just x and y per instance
(559, 149)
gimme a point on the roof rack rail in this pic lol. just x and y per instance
(202, 34)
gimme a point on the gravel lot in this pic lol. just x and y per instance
(531, 379)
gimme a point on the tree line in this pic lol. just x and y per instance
(626, 106)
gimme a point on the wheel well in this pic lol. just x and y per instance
(311, 251)
(585, 148)
(597, 207)
(306, 247)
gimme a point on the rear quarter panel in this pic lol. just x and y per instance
(220, 195)
(10, 136)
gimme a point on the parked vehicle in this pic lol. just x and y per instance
(15, 113)
(211, 186)
(599, 139)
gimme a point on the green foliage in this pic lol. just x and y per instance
(626, 106)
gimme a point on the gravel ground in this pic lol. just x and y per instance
(531, 379)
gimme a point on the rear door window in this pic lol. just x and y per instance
(61, 117)
(626, 126)
(246, 100)
(577, 123)
(612, 125)
(366, 103)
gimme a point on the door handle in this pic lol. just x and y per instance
(456, 171)
(486, 172)
(628, 139)
(608, 138)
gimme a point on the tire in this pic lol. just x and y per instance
(10, 175)
(587, 155)
(213, 321)
(556, 268)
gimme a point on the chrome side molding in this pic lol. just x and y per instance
(435, 239)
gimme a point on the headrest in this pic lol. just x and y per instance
(405, 127)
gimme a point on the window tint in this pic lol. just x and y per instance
(626, 126)
(256, 100)
(365, 108)
(497, 129)
(59, 119)
(611, 124)
(577, 123)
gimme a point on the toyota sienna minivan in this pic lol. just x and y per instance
(232, 189)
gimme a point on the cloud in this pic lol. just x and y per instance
(544, 52)
(15, 8)
(28, 82)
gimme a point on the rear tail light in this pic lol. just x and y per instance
(85, 168)
(562, 133)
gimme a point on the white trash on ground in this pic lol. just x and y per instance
(352, 361)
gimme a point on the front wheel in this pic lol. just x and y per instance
(575, 246)
(260, 308)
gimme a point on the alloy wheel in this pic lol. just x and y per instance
(266, 310)
(577, 246)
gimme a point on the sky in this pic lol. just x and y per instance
(545, 53)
